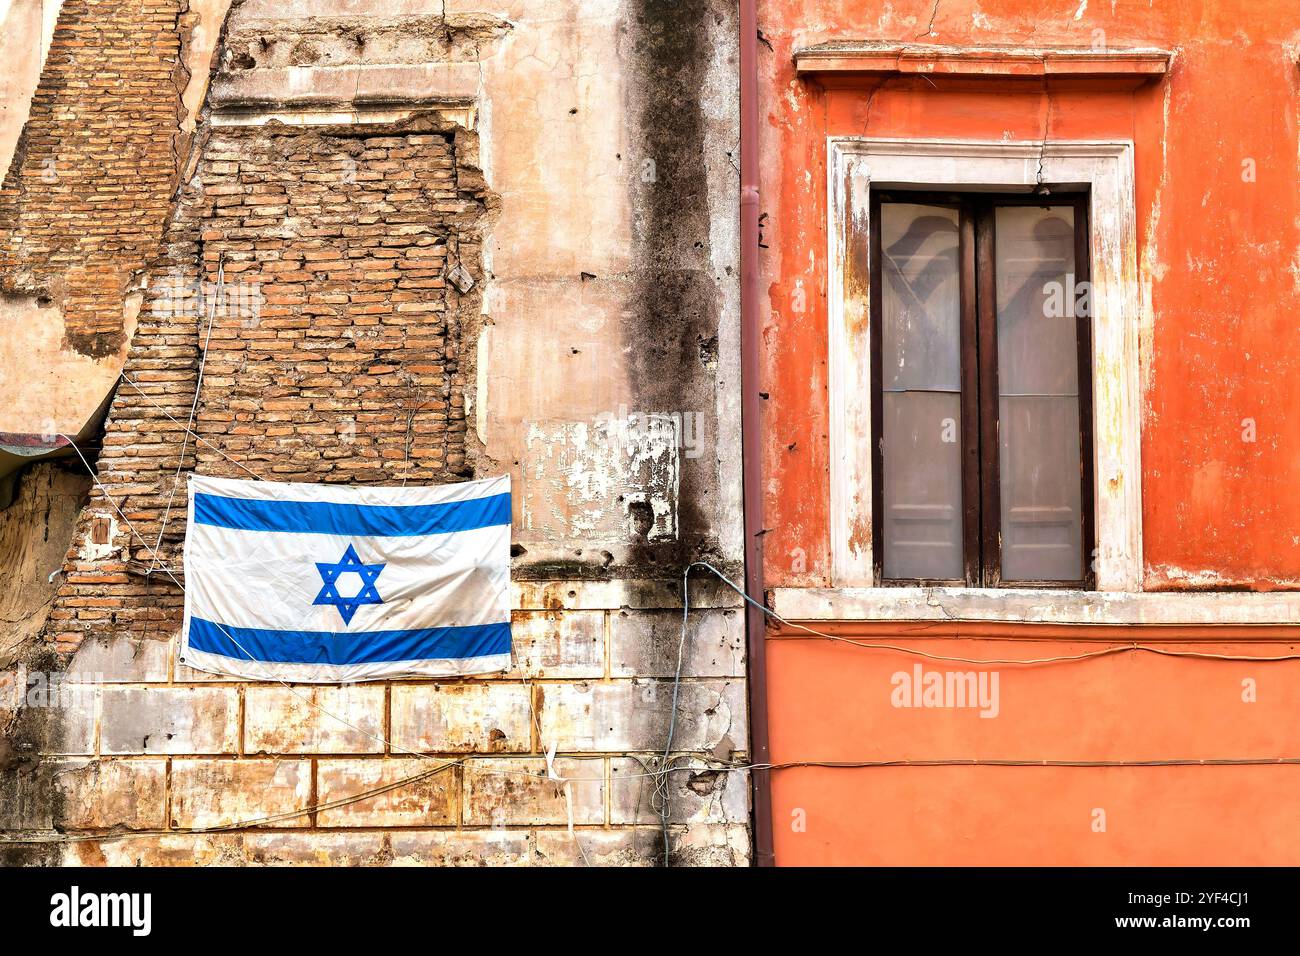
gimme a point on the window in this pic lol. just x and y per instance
(982, 405)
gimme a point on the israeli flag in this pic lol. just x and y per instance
(325, 584)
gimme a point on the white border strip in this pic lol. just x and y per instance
(237, 669)
(1033, 606)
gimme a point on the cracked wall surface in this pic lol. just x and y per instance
(26, 29)
(34, 530)
(97, 112)
(88, 190)
(1216, 233)
(455, 239)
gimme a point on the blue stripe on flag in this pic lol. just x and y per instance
(328, 517)
(359, 647)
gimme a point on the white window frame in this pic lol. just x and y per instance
(1106, 167)
(854, 165)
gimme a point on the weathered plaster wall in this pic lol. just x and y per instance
(26, 29)
(575, 167)
(94, 156)
(34, 531)
(1218, 256)
(51, 389)
(612, 266)
(85, 198)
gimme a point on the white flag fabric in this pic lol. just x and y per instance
(326, 584)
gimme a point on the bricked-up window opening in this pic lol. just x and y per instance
(982, 406)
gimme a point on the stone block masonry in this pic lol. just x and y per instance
(169, 750)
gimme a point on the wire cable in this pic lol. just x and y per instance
(217, 301)
(1103, 652)
(561, 782)
(667, 761)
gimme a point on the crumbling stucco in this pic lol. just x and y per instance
(26, 28)
(613, 309)
(35, 530)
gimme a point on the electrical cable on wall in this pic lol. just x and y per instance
(660, 775)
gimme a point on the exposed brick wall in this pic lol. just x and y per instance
(333, 349)
(89, 189)
(347, 235)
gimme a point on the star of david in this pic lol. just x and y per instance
(349, 563)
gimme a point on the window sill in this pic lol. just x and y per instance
(1035, 606)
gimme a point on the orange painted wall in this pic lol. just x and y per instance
(1219, 262)
(834, 702)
